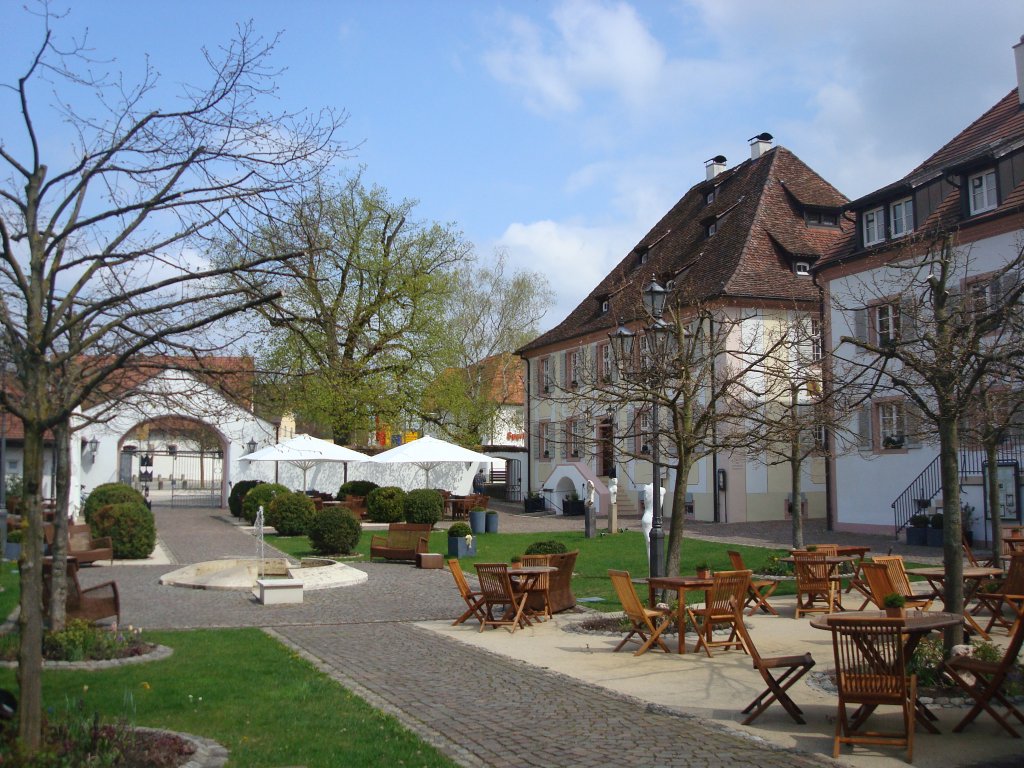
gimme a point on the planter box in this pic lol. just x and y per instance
(534, 505)
(917, 537)
(934, 537)
(491, 522)
(12, 551)
(477, 521)
(457, 547)
(573, 507)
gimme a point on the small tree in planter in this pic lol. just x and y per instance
(460, 541)
(894, 604)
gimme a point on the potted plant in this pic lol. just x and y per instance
(703, 569)
(935, 530)
(534, 502)
(917, 533)
(894, 605)
(491, 521)
(573, 504)
(460, 541)
(13, 549)
(515, 560)
(15, 491)
(476, 519)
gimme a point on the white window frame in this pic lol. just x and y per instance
(802, 268)
(887, 322)
(901, 214)
(544, 428)
(981, 191)
(607, 364)
(712, 229)
(873, 226)
(547, 380)
(892, 421)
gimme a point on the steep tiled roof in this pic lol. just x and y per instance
(997, 133)
(759, 208)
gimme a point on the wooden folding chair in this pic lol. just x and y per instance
(496, 590)
(759, 590)
(898, 576)
(642, 618)
(1010, 594)
(792, 668)
(724, 606)
(871, 670)
(986, 679)
(973, 558)
(813, 584)
(880, 584)
(474, 600)
(542, 585)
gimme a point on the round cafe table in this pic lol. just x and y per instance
(974, 576)
(916, 624)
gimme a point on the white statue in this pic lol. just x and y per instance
(613, 487)
(647, 520)
(591, 494)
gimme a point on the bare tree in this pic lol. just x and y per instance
(102, 259)
(937, 348)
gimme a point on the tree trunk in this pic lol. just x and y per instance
(794, 502)
(952, 549)
(30, 621)
(673, 561)
(59, 580)
(992, 494)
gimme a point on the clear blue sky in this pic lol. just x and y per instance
(563, 130)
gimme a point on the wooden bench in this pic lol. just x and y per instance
(92, 603)
(402, 542)
(85, 549)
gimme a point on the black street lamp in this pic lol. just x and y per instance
(251, 445)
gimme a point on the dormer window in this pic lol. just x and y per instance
(641, 257)
(901, 214)
(982, 190)
(605, 306)
(709, 198)
(711, 229)
(821, 218)
(873, 223)
(802, 268)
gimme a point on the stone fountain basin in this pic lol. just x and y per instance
(241, 574)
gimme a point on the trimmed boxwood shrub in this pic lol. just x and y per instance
(459, 530)
(109, 493)
(130, 527)
(237, 495)
(259, 496)
(384, 505)
(290, 513)
(424, 505)
(334, 531)
(546, 548)
(356, 488)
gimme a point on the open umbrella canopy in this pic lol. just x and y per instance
(427, 452)
(305, 452)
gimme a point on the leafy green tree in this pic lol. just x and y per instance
(357, 323)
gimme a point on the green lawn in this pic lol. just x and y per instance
(620, 550)
(240, 687)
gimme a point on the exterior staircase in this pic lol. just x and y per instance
(918, 496)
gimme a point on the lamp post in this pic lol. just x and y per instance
(622, 339)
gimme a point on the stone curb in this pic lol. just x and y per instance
(208, 754)
(159, 653)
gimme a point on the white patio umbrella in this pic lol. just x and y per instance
(428, 452)
(305, 452)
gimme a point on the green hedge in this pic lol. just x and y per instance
(356, 488)
(109, 493)
(290, 513)
(546, 548)
(424, 505)
(384, 505)
(259, 496)
(130, 526)
(237, 495)
(334, 531)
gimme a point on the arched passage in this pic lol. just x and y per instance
(174, 460)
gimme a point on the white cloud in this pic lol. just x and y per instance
(574, 257)
(589, 47)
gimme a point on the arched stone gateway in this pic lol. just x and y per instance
(184, 428)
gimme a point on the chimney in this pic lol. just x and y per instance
(714, 166)
(760, 144)
(1018, 54)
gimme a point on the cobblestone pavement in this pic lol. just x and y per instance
(479, 708)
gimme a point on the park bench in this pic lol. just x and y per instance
(402, 541)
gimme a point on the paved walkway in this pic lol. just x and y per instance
(480, 708)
